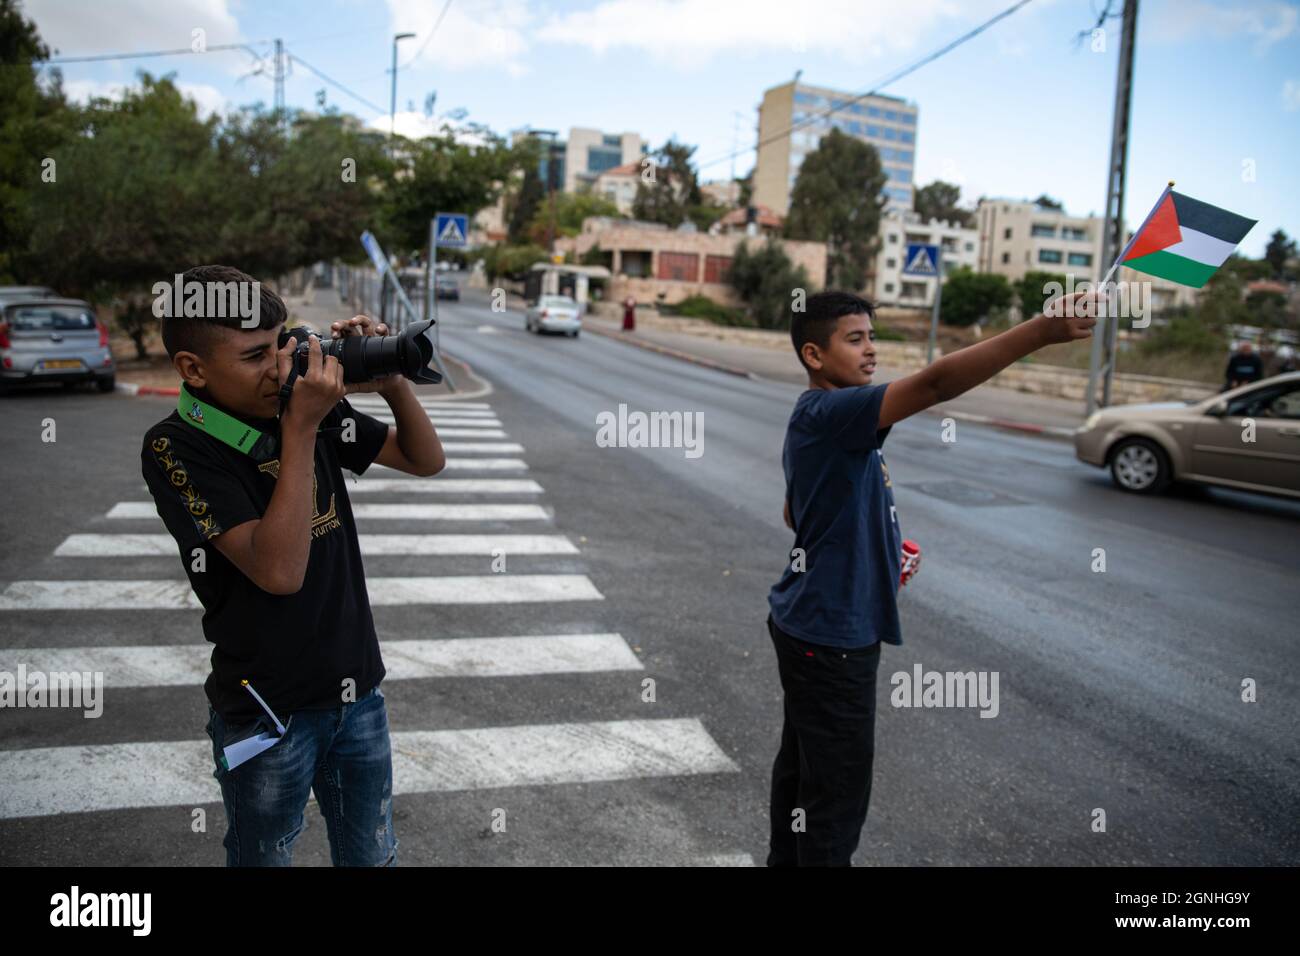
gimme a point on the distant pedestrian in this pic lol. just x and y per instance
(1285, 360)
(629, 314)
(1244, 367)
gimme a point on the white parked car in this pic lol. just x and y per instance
(554, 313)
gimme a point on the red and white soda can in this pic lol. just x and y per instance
(911, 555)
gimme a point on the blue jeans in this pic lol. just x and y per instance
(344, 756)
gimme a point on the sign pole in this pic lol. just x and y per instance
(934, 314)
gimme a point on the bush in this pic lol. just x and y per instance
(970, 296)
(766, 280)
(702, 307)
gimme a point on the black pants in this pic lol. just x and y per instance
(827, 744)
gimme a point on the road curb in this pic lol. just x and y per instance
(1058, 432)
(672, 353)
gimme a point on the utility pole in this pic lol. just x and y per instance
(279, 83)
(392, 103)
(1102, 362)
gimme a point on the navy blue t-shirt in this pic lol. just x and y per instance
(846, 528)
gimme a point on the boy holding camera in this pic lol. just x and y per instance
(256, 501)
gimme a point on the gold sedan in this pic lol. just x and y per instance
(1247, 438)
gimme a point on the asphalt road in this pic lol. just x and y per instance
(1119, 691)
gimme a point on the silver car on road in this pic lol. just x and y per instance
(554, 313)
(53, 340)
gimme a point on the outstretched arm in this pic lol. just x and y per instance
(1064, 320)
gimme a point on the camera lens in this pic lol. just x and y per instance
(364, 358)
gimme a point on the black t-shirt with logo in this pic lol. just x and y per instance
(295, 650)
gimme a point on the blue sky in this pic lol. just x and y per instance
(1021, 110)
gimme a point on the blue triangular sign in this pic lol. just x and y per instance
(921, 264)
(451, 233)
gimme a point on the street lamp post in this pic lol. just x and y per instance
(392, 104)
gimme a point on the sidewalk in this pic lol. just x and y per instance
(1001, 407)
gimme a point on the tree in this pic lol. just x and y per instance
(1047, 202)
(675, 189)
(446, 174)
(766, 280)
(1279, 250)
(571, 209)
(746, 190)
(836, 200)
(939, 201)
(1030, 291)
(32, 121)
(970, 296)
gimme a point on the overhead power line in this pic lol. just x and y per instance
(892, 78)
(336, 84)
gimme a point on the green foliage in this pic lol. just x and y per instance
(970, 296)
(511, 261)
(1029, 291)
(570, 209)
(675, 190)
(1047, 202)
(702, 307)
(1279, 250)
(1184, 332)
(939, 201)
(766, 281)
(836, 200)
(439, 174)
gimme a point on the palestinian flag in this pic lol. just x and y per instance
(1185, 240)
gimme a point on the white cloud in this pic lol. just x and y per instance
(417, 126)
(126, 26)
(490, 33)
(685, 32)
(1266, 21)
(507, 34)
(1291, 96)
(208, 98)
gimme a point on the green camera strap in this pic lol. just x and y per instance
(226, 428)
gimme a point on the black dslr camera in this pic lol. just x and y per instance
(364, 358)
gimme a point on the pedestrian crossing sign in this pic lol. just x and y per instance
(922, 260)
(451, 229)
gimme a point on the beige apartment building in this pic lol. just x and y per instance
(590, 152)
(889, 285)
(1016, 237)
(647, 260)
(886, 122)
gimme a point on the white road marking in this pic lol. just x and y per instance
(483, 447)
(151, 545)
(139, 510)
(136, 595)
(186, 665)
(44, 781)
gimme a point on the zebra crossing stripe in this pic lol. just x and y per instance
(377, 410)
(138, 510)
(363, 400)
(449, 486)
(470, 433)
(440, 422)
(484, 464)
(137, 595)
(483, 447)
(154, 545)
(187, 665)
(45, 781)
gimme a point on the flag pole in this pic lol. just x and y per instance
(1114, 266)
